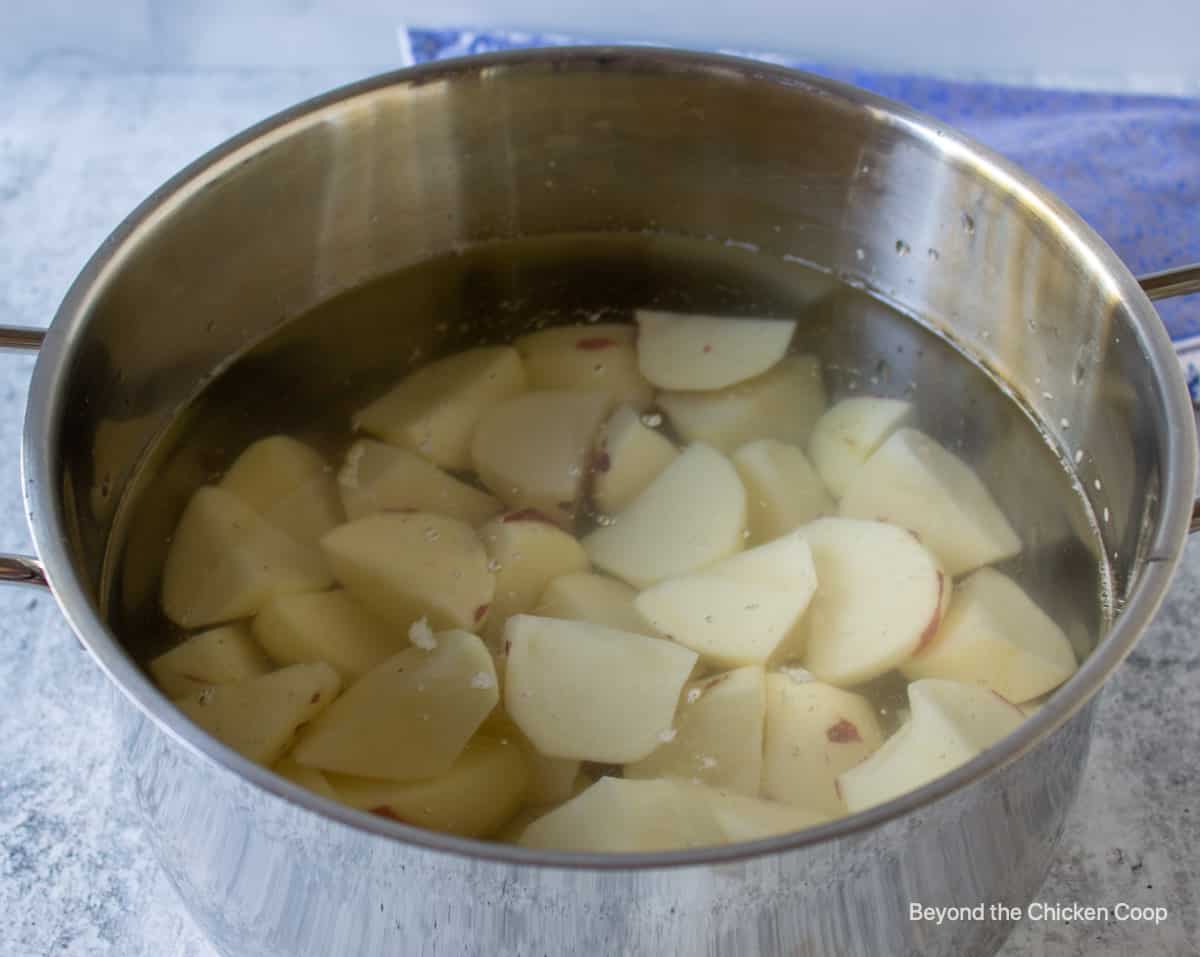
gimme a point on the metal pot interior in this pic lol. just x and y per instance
(622, 175)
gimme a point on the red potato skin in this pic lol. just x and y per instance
(480, 612)
(601, 462)
(935, 622)
(843, 732)
(595, 343)
(707, 347)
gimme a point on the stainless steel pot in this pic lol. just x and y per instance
(387, 172)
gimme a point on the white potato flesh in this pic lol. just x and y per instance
(534, 451)
(783, 491)
(717, 738)
(692, 515)
(593, 358)
(479, 793)
(258, 718)
(782, 404)
(408, 718)
(595, 598)
(327, 626)
(289, 484)
(617, 815)
(219, 656)
(814, 732)
(740, 611)
(849, 433)
(226, 561)
(912, 481)
(951, 723)
(994, 635)
(413, 565)
(743, 817)
(435, 410)
(679, 351)
(881, 598)
(526, 553)
(551, 780)
(383, 478)
(631, 456)
(591, 693)
(309, 778)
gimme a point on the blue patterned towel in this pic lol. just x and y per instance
(1130, 165)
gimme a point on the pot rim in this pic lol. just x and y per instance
(46, 413)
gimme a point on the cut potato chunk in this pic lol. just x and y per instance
(258, 718)
(692, 515)
(435, 410)
(849, 433)
(617, 815)
(408, 718)
(783, 491)
(994, 635)
(309, 778)
(288, 484)
(595, 598)
(226, 561)
(814, 732)
(383, 478)
(219, 656)
(591, 693)
(718, 734)
(678, 351)
(327, 626)
(782, 404)
(413, 565)
(631, 456)
(480, 792)
(740, 611)
(951, 723)
(526, 553)
(534, 451)
(744, 818)
(551, 780)
(914, 482)
(882, 595)
(591, 358)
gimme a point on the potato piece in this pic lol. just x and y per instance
(435, 410)
(258, 718)
(814, 732)
(744, 818)
(590, 358)
(512, 831)
(914, 482)
(533, 451)
(616, 815)
(407, 566)
(526, 553)
(782, 404)
(382, 478)
(219, 656)
(477, 796)
(994, 635)
(225, 561)
(595, 598)
(288, 484)
(881, 598)
(783, 491)
(327, 626)
(744, 610)
(677, 351)
(849, 433)
(692, 515)
(408, 718)
(718, 734)
(951, 723)
(309, 778)
(551, 780)
(631, 456)
(591, 693)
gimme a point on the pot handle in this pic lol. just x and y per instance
(21, 569)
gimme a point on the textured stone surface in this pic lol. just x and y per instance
(79, 147)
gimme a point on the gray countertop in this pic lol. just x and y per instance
(79, 147)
